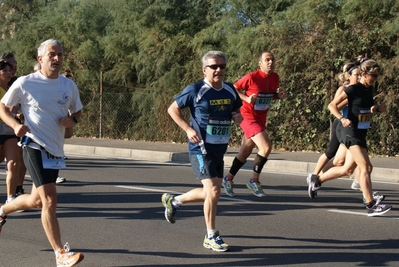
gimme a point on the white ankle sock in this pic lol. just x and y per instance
(211, 232)
(176, 202)
(2, 214)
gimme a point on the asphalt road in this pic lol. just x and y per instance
(110, 210)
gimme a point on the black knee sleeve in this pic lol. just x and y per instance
(236, 166)
(259, 162)
(333, 145)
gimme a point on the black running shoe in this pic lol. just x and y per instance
(314, 185)
(2, 221)
(378, 209)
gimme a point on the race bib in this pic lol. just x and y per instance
(218, 131)
(52, 162)
(263, 101)
(364, 119)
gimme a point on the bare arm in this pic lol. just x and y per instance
(281, 94)
(175, 113)
(249, 99)
(237, 117)
(379, 108)
(68, 132)
(334, 107)
(5, 114)
(342, 104)
(68, 121)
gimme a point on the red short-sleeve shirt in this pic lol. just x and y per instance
(264, 86)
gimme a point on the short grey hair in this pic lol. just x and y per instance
(42, 48)
(213, 54)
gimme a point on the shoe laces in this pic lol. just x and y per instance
(229, 183)
(258, 186)
(218, 239)
(66, 250)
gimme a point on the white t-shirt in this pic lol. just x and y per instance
(44, 101)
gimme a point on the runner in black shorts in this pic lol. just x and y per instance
(8, 140)
(349, 76)
(354, 131)
(45, 97)
(212, 104)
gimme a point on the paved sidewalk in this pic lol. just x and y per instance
(297, 162)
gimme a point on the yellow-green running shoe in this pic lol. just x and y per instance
(170, 211)
(215, 243)
(228, 187)
(255, 188)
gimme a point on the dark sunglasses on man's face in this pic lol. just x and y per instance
(215, 66)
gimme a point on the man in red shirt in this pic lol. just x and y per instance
(257, 90)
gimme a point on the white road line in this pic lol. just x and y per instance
(361, 213)
(177, 193)
(348, 212)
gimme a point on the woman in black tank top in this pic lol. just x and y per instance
(355, 125)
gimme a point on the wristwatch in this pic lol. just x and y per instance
(74, 119)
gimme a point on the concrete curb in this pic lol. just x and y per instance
(299, 167)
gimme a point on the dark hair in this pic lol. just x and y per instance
(4, 64)
(351, 66)
(7, 55)
(265, 52)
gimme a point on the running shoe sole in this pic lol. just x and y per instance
(208, 246)
(312, 189)
(312, 194)
(220, 247)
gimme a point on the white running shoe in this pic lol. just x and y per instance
(355, 185)
(255, 188)
(228, 187)
(68, 258)
(60, 180)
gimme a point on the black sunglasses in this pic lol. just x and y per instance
(373, 75)
(215, 66)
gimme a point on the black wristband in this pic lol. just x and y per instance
(74, 119)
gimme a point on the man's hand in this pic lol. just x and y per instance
(281, 93)
(192, 135)
(67, 122)
(237, 117)
(20, 130)
(251, 99)
(14, 109)
(381, 107)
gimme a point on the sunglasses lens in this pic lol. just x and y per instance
(215, 67)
